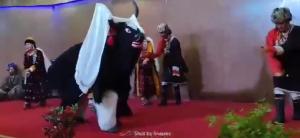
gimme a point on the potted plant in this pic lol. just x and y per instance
(61, 122)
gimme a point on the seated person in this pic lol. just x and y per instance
(11, 88)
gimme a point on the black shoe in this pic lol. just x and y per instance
(296, 114)
(123, 110)
(178, 102)
(114, 129)
(42, 103)
(164, 96)
(177, 94)
(279, 105)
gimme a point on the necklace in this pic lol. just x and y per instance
(282, 38)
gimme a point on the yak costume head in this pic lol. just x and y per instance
(90, 55)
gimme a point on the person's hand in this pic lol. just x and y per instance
(266, 49)
(145, 61)
(137, 44)
(278, 74)
(279, 50)
(32, 68)
(175, 71)
(27, 73)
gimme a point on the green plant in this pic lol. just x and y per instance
(251, 125)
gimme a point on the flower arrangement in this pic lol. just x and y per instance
(62, 122)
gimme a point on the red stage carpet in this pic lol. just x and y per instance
(185, 121)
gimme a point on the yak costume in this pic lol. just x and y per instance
(102, 64)
(283, 59)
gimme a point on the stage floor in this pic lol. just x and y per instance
(186, 120)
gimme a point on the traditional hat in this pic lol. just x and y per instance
(280, 15)
(30, 40)
(12, 65)
(163, 28)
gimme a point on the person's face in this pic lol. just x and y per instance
(164, 35)
(11, 70)
(283, 27)
(145, 43)
(28, 46)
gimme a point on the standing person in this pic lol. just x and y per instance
(12, 86)
(35, 73)
(174, 66)
(146, 76)
(283, 54)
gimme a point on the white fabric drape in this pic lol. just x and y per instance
(90, 54)
(47, 62)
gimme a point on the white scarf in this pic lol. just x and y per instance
(47, 62)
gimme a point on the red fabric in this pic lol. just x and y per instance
(274, 64)
(111, 37)
(16, 122)
(110, 41)
(160, 48)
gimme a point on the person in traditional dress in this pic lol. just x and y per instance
(35, 74)
(146, 75)
(11, 88)
(283, 51)
(174, 66)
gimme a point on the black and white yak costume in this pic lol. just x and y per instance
(101, 64)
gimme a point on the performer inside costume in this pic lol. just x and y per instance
(283, 51)
(174, 66)
(146, 75)
(102, 64)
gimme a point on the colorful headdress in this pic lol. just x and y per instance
(12, 65)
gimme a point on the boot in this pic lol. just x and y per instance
(123, 109)
(42, 103)
(177, 94)
(164, 96)
(82, 105)
(279, 105)
(114, 129)
(296, 107)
